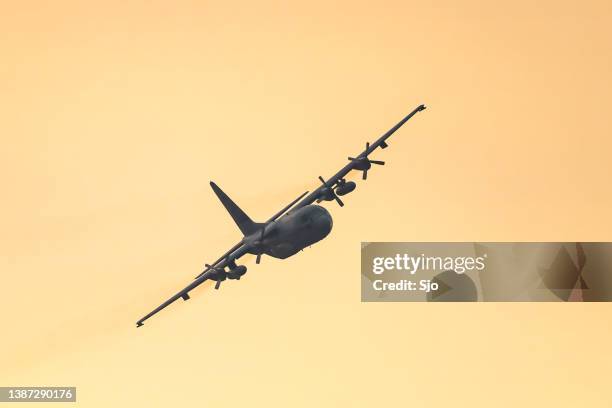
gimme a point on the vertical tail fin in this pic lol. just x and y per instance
(246, 225)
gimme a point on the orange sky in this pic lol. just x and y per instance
(115, 116)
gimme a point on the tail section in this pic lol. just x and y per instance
(246, 225)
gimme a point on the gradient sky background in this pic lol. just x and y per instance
(115, 115)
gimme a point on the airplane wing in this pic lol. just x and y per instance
(355, 163)
(228, 257)
(201, 278)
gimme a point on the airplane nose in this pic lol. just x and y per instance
(324, 223)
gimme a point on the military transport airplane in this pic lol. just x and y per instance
(296, 226)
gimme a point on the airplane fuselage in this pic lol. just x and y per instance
(295, 231)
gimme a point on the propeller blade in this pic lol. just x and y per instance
(352, 158)
(218, 285)
(380, 163)
(367, 145)
(329, 192)
(365, 174)
(258, 259)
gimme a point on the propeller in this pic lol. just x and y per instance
(218, 276)
(363, 163)
(329, 193)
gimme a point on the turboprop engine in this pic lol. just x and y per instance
(345, 187)
(236, 272)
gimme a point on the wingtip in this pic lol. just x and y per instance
(138, 324)
(215, 187)
(422, 107)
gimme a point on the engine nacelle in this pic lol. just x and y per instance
(237, 272)
(218, 275)
(345, 188)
